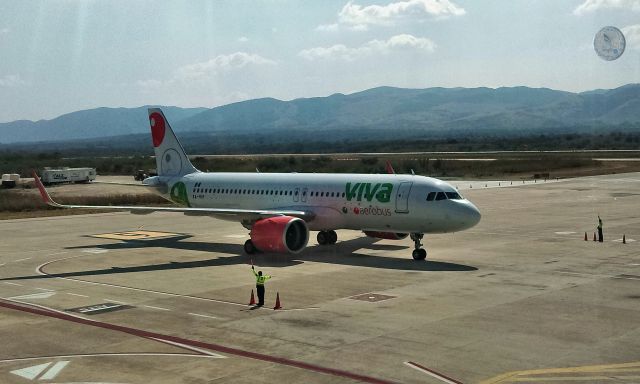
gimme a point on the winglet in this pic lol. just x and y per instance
(43, 192)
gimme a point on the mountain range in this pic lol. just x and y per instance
(430, 111)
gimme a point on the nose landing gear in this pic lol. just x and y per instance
(418, 253)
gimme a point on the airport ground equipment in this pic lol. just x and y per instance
(10, 180)
(68, 175)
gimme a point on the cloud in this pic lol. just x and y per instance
(202, 73)
(596, 5)
(632, 36)
(11, 81)
(220, 63)
(327, 27)
(359, 17)
(243, 39)
(393, 44)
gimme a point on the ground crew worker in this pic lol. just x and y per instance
(260, 279)
(600, 237)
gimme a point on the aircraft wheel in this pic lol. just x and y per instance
(333, 237)
(249, 248)
(323, 238)
(419, 254)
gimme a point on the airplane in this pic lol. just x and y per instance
(279, 209)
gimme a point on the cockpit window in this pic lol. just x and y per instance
(431, 196)
(453, 195)
(441, 196)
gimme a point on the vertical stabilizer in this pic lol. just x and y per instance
(171, 160)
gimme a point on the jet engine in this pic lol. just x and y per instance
(280, 234)
(386, 235)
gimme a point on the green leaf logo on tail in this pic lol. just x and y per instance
(179, 194)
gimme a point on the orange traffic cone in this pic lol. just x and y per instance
(624, 239)
(594, 236)
(253, 299)
(278, 306)
(585, 236)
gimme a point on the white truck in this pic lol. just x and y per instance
(68, 175)
(9, 180)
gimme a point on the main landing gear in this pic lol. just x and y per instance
(327, 237)
(418, 253)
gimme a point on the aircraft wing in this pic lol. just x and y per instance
(225, 213)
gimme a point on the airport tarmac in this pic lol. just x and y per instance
(162, 298)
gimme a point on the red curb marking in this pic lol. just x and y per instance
(194, 343)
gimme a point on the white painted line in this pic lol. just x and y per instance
(53, 372)
(44, 289)
(57, 253)
(76, 294)
(43, 295)
(3, 264)
(236, 236)
(199, 350)
(98, 308)
(95, 250)
(26, 258)
(634, 265)
(565, 233)
(160, 308)
(625, 277)
(30, 373)
(115, 354)
(197, 314)
(431, 373)
(19, 285)
(115, 301)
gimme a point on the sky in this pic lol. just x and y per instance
(60, 56)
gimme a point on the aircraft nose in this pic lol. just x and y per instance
(472, 215)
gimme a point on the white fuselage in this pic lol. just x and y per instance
(376, 202)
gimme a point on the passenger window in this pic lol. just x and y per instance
(431, 196)
(441, 196)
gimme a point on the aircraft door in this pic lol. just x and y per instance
(303, 198)
(402, 197)
(296, 192)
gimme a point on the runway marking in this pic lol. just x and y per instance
(19, 285)
(207, 356)
(432, 373)
(57, 253)
(136, 235)
(197, 314)
(159, 308)
(236, 236)
(54, 371)
(49, 312)
(76, 294)
(43, 295)
(587, 373)
(26, 258)
(95, 250)
(44, 289)
(565, 233)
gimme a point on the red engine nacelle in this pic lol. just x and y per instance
(386, 235)
(280, 234)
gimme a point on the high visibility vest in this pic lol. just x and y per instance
(261, 279)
